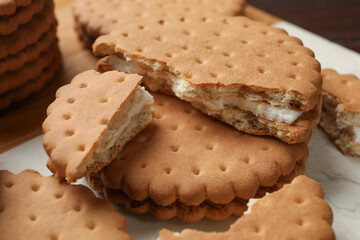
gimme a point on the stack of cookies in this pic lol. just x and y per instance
(29, 54)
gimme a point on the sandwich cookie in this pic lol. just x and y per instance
(96, 18)
(37, 207)
(92, 119)
(250, 75)
(9, 23)
(298, 211)
(189, 165)
(340, 116)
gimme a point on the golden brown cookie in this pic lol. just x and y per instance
(8, 7)
(9, 24)
(340, 116)
(96, 18)
(37, 207)
(189, 213)
(250, 75)
(29, 33)
(298, 211)
(31, 70)
(91, 120)
(33, 85)
(30, 53)
(187, 157)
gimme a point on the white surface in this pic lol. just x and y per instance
(339, 175)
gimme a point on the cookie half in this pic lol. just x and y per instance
(340, 116)
(91, 120)
(96, 18)
(250, 75)
(298, 211)
(30, 202)
(184, 159)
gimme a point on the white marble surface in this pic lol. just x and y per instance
(339, 175)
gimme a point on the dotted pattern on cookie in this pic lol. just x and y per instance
(187, 156)
(298, 211)
(75, 121)
(189, 213)
(101, 16)
(221, 51)
(344, 87)
(32, 202)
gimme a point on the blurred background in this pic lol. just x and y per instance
(336, 20)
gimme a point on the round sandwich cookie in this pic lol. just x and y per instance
(10, 23)
(340, 116)
(92, 119)
(249, 75)
(297, 211)
(37, 207)
(189, 165)
(96, 18)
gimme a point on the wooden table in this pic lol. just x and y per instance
(22, 122)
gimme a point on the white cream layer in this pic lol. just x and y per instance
(186, 91)
(145, 99)
(356, 132)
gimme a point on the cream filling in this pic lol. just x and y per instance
(356, 132)
(184, 90)
(145, 99)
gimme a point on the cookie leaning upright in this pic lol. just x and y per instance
(340, 117)
(252, 76)
(91, 120)
(29, 53)
(298, 211)
(37, 207)
(96, 18)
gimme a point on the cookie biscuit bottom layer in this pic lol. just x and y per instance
(189, 213)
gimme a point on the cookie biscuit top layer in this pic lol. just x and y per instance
(298, 211)
(220, 52)
(343, 87)
(101, 16)
(37, 207)
(187, 156)
(79, 118)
